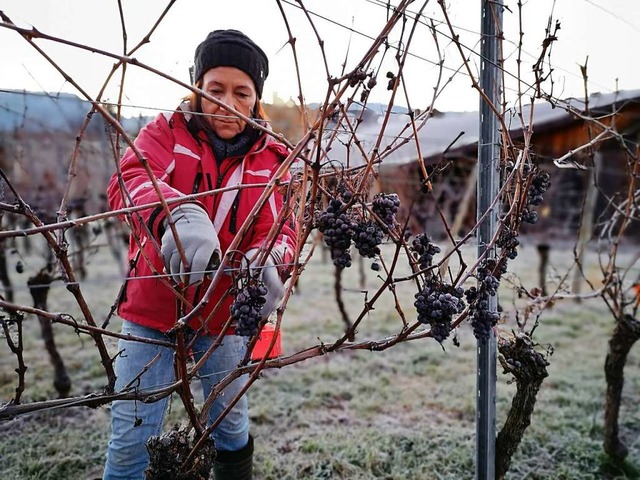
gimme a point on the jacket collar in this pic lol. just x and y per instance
(185, 114)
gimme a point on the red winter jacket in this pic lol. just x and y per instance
(183, 165)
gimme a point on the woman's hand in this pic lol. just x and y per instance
(199, 241)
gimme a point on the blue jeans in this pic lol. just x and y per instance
(127, 455)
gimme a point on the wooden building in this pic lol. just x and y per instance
(448, 146)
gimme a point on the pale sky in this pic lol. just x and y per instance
(607, 31)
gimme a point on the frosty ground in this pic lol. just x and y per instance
(404, 413)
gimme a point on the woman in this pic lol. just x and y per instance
(200, 147)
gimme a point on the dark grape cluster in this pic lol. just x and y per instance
(482, 318)
(488, 276)
(539, 185)
(385, 206)
(436, 304)
(357, 77)
(338, 230)
(529, 216)
(247, 305)
(490, 284)
(424, 249)
(345, 193)
(508, 241)
(540, 182)
(367, 236)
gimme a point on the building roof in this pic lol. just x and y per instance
(43, 112)
(457, 132)
(40, 111)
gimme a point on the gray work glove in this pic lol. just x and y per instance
(199, 241)
(270, 276)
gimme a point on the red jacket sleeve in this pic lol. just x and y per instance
(155, 142)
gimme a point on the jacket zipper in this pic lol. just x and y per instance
(197, 181)
(220, 179)
(234, 214)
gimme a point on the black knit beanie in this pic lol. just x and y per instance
(231, 48)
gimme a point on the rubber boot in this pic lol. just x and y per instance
(236, 465)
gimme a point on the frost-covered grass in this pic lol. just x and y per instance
(404, 413)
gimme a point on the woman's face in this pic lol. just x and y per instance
(233, 87)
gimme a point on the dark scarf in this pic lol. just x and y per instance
(236, 146)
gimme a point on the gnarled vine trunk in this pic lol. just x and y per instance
(626, 333)
(39, 289)
(529, 367)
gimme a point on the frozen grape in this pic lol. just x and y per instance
(385, 206)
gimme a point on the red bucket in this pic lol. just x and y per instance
(263, 342)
